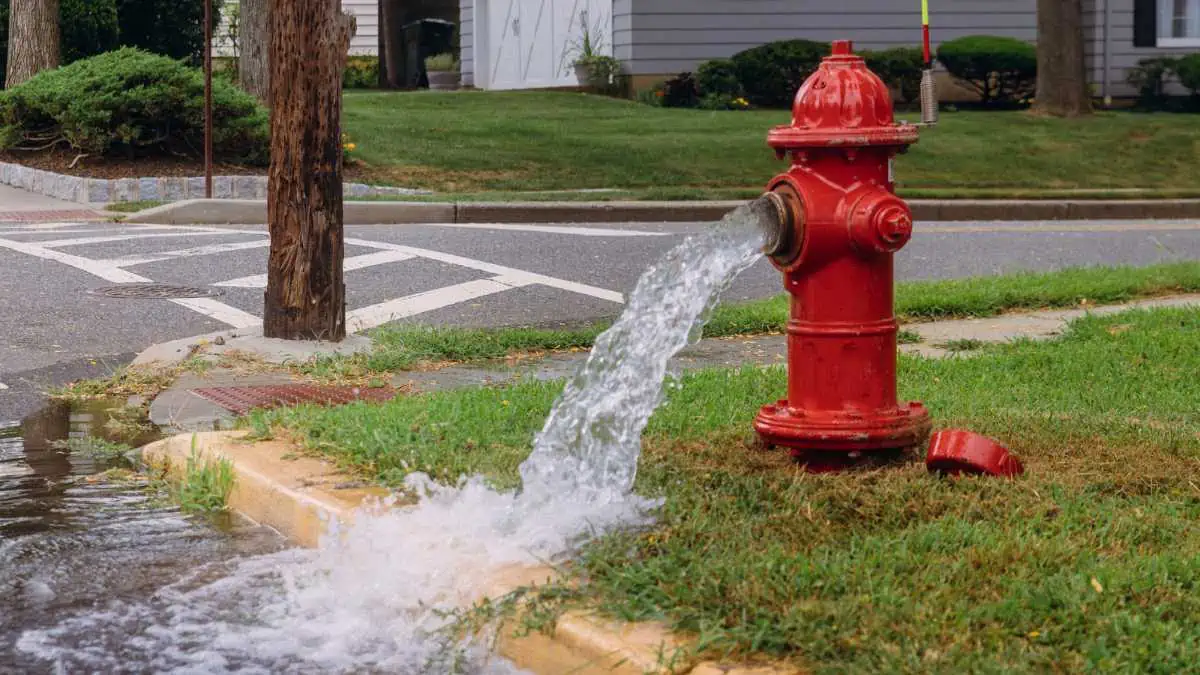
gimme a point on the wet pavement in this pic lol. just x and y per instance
(53, 329)
(72, 543)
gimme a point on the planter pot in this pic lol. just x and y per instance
(443, 80)
(582, 74)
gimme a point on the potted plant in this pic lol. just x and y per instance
(593, 68)
(442, 70)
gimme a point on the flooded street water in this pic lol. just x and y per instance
(71, 543)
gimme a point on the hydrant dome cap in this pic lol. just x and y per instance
(843, 104)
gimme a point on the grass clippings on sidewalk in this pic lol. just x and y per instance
(1090, 562)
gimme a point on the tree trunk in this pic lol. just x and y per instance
(393, 60)
(305, 297)
(254, 63)
(1062, 86)
(32, 39)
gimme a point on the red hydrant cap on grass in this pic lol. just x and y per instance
(957, 451)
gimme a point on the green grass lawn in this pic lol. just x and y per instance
(471, 142)
(1088, 563)
(401, 346)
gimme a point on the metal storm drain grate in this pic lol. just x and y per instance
(242, 400)
(155, 292)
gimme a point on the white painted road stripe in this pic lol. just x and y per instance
(357, 262)
(206, 306)
(552, 229)
(100, 240)
(220, 311)
(490, 268)
(419, 303)
(131, 260)
(95, 267)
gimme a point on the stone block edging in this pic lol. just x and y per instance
(171, 189)
(299, 496)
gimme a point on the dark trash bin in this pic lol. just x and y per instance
(422, 38)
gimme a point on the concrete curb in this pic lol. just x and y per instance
(241, 212)
(300, 496)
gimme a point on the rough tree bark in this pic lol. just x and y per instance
(394, 57)
(1062, 86)
(32, 39)
(254, 63)
(305, 297)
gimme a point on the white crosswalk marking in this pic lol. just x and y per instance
(420, 303)
(357, 262)
(503, 279)
(131, 260)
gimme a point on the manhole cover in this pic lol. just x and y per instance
(155, 291)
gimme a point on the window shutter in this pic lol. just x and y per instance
(1145, 23)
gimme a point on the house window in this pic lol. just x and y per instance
(1179, 23)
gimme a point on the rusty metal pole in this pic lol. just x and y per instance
(208, 106)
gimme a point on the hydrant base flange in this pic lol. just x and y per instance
(805, 431)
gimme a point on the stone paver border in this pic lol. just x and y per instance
(102, 190)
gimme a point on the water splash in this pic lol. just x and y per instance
(374, 597)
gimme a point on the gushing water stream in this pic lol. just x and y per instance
(373, 598)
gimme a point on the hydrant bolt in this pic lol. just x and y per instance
(843, 224)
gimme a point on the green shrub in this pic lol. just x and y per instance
(169, 27)
(1000, 69)
(771, 74)
(719, 77)
(900, 68)
(362, 72)
(131, 102)
(1188, 71)
(1150, 77)
(87, 28)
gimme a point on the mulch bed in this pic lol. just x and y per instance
(60, 161)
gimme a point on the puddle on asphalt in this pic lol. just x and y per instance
(74, 538)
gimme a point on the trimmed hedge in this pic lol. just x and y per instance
(719, 77)
(1187, 69)
(1000, 69)
(900, 68)
(772, 73)
(130, 102)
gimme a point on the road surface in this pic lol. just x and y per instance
(54, 329)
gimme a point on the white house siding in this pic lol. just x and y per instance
(365, 42)
(672, 36)
(665, 37)
(1124, 56)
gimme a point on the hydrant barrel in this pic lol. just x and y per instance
(837, 264)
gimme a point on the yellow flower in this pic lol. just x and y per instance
(351, 147)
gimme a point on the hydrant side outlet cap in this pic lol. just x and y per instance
(957, 451)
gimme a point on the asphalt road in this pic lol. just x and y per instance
(52, 330)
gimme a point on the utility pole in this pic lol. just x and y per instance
(208, 101)
(305, 297)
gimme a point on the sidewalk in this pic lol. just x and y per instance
(182, 408)
(20, 205)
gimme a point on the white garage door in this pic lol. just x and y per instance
(532, 43)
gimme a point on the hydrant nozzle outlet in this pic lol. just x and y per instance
(784, 225)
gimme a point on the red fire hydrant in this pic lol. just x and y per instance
(839, 225)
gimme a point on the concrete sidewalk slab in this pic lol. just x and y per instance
(14, 199)
(237, 212)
